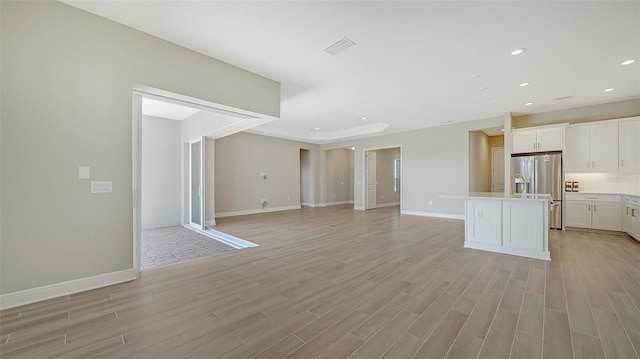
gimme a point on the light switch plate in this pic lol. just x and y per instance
(101, 187)
(84, 172)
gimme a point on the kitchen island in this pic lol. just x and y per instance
(511, 224)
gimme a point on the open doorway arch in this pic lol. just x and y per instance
(209, 122)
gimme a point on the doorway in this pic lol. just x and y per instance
(382, 177)
(196, 183)
(173, 171)
(306, 178)
(497, 169)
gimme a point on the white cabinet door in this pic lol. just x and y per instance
(578, 214)
(550, 139)
(523, 223)
(524, 141)
(606, 215)
(629, 145)
(604, 147)
(485, 223)
(635, 221)
(577, 157)
(627, 219)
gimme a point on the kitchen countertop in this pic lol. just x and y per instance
(501, 196)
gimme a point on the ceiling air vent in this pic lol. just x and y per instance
(339, 46)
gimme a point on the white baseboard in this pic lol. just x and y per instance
(433, 214)
(32, 295)
(358, 208)
(210, 222)
(313, 204)
(338, 203)
(390, 204)
(255, 211)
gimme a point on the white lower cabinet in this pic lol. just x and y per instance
(594, 211)
(519, 227)
(484, 222)
(631, 216)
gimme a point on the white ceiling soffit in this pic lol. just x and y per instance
(416, 64)
(210, 119)
(374, 128)
(164, 109)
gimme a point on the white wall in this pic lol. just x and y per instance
(623, 183)
(161, 168)
(67, 79)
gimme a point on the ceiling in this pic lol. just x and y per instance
(414, 64)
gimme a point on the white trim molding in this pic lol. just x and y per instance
(433, 214)
(255, 211)
(390, 204)
(358, 208)
(313, 204)
(32, 295)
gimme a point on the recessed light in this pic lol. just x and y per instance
(609, 89)
(524, 84)
(473, 77)
(484, 88)
(491, 97)
(528, 104)
(502, 130)
(518, 51)
(364, 118)
(563, 98)
(628, 62)
(447, 121)
(317, 128)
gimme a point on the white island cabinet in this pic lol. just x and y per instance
(501, 223)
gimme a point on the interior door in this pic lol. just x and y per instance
(196, 183)
(497, 169)
(371, 179)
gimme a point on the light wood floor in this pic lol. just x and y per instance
(337, 283)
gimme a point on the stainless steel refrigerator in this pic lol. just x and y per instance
(541, 173)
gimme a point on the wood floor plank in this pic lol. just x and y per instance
(439, 342)
(337, 283)
(500, 336)
(557, 335)
(465, 346)
(615, 342)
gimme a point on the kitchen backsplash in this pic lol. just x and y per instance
(628, 183)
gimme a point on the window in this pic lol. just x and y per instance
(396, 176)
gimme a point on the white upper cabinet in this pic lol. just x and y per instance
(538, 140)
(629, 144)
(604, 147)
(591, 148)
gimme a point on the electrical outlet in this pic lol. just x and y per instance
(431, 203)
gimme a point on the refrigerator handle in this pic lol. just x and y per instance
(534, 174)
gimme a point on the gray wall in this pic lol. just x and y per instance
(240, 158)
(479, 162)
(435, 162)
(67, 78)
(338, 168)
(384, 175)
(161, 167)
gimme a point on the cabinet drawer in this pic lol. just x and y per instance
(632, 199)
(592, 197)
